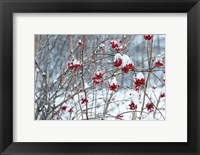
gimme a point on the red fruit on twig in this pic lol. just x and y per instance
(159, 61)
(114, 86)
(148, 37)
(71, 110)
(132, 106)
(139, 81)
(119, 116)
(84, 100)
(118, 62)
(150, 107)
(73, 64)
(97, 78)
(64, 107)
(79, 42)
(162, 95)
(127, 64)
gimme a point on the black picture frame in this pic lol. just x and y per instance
(8, 7)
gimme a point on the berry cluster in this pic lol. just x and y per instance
(115, 45)
(132, 106)
(139, 81)
(74, 64)
(97, 78)
(159, 61)
(118, 62)
(124, 62)
(150, 107)
(84, 100)
(114, 86)
(127, 67)
(148, 37)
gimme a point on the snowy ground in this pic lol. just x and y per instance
(119, 105)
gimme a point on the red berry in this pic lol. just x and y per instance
(119, 116)
(70, 65)
(118, 62)
(71, 110)
(117, 49)
(76, 66)
(113, 45)
(126, 68)
(84, 100)
(132, 106)
(114, 86)
(162, 95)
(148, 37)
(159, 64)
(150, 107)
(64, 107)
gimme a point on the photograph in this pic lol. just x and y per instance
(108, 77)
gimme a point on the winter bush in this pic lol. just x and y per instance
(100, 77)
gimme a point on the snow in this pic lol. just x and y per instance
(54, 81)
(140, 76)
(102, 45)
(119, 104)
(74, 61)
(120, 47)
(86, 85)
(126, 60)
(101, 95)
(113, 81)
(117, 56)
(163, 90)
(159, 59)
(37, 70)
(135, 97)
(163, 77)
(98, 72)
(79, 41)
